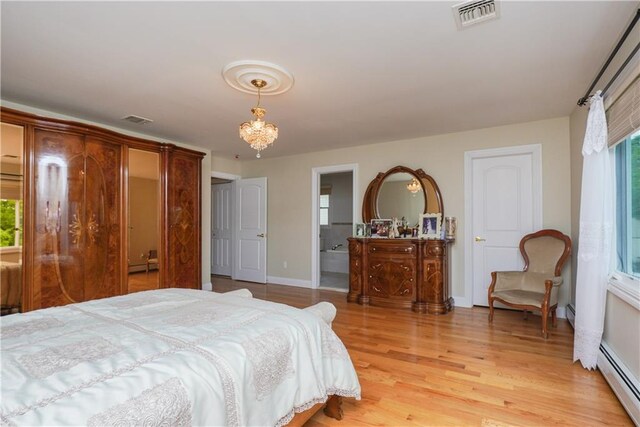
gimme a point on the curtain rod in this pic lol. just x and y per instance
(582, 101)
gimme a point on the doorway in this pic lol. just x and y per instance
(221, 226)
(222, 222)
(503, 202)
(334, 214)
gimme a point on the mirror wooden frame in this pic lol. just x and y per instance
(370, 200)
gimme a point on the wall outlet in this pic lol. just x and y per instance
(284, 264)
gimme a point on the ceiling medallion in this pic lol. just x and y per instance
(266, 79)
(239, 75)
(258, 133)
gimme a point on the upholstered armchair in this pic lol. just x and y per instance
(537, 287)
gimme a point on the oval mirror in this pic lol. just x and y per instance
(399, 192)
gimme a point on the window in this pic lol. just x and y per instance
(324, 209)
(627, 155)
(10, 220)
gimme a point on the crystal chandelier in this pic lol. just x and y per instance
(258, 133)
(413, 186)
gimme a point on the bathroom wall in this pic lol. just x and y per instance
(340, 209)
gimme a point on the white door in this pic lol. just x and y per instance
(505, 206)
(221, 232)
(251, 230)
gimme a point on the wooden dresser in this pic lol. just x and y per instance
(400, 273)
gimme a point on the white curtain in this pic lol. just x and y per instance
(596, 236)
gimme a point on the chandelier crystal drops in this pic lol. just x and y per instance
(258, 133)
(413, 186)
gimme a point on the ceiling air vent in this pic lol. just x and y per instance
(137, 120)
(474, 12)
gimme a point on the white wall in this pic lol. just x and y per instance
(206, 174)
(441, 156)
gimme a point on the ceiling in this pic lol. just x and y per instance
(364, 72)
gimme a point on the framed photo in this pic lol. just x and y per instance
(430, 224)
(359, 230)
(380, 227)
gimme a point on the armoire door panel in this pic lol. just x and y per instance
(184, 221)
(102, 219)
(58, 267)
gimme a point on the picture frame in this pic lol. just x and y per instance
(359, 230)
(380, 227)
(430, 225)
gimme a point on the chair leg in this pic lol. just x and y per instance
(147, 268)
(490, 310)
(554, 318)
(545, 316)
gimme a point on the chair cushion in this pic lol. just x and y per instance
(516, 296)
(524, 280)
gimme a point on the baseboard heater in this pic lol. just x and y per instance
(621, 381)
(571, 315)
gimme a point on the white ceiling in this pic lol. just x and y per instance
(365, 72)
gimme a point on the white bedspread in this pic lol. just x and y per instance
(169, 357)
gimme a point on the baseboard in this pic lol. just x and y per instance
(462, 302)
(625, 386)
(561, 312)
(140, 268)
(207, 286)
(571, 315)
(289, 282)
(327, 288)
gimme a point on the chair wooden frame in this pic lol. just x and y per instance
(152, 258)
(548, 284)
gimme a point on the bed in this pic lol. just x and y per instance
(171, 357)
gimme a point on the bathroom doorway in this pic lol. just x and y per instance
(334, 207)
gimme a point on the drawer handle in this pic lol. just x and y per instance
(376, 289)
(373, 249)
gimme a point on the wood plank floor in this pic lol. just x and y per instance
(456, 369)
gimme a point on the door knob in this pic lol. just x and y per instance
(480, 239)
(261, 235)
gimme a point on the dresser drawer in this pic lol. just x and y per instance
(392, 249)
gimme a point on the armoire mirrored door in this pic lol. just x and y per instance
(143, 212)
(11, 217)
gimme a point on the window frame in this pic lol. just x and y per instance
(17, 231)
(327, 208)
(624, 285)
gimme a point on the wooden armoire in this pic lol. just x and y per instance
(75, 211)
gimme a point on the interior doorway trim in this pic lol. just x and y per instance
(315, 220)
(224, 175)
(536, 171)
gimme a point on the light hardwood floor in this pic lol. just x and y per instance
(143, 281)
(456, 369)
